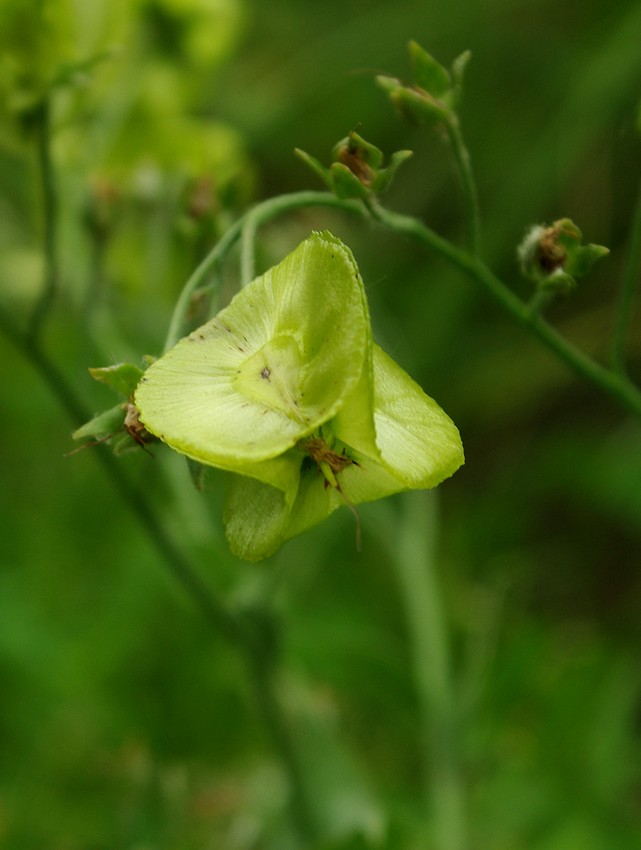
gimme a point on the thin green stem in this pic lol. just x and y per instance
(470, 194)
(257, 216)
(42, 130)
(274, 719)
(416, 566)
(615, 385)
(224, 621)
(248, 250)
(629, 286)
(209, 266)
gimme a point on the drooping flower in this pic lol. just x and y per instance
(285, 389)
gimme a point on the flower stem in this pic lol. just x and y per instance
(248, 250)
(417, 574)
(275, 722)
(613, 383)
(616, 385)
(221, 618)
(248, 224)
(470, 195)
(628, 289)
(42, 129)
(209, 266)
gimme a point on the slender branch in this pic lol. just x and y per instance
(198, 279)
(248, 250)
(470, 194)
(228, 624)
(215, 611)
(253, 219)
(615, 385)
(42, 129)
(261, 675)
(415, 561)
(628, 289)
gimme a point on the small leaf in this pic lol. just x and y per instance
(123, 377)
(317, 167)
(102, 425)
(429, 74)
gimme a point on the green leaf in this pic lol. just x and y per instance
(123, 377)
(102, 425)
(269, 369)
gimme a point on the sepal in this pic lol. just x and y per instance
(357, 168)
(553, 256)
(433, 96)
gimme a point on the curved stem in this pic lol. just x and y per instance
(613, 384)
(253, 219)
(198, 279)
(42, 128)
(470, 195)
(248, 250)
(416, 567)
(628, 289)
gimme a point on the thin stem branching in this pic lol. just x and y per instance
(248, 225)
(416, 567)
(613, 384)
(41, 122)
(468, 183)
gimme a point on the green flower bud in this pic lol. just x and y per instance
(120, 424)
(553, 256)
(356, 171)
(434, 95)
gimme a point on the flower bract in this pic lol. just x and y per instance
(286, 389)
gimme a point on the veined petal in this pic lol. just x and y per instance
(256, 516)
(270, 368)
(418, 441)
(416, 447)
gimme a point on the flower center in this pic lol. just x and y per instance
(328, 461)
(272, 377)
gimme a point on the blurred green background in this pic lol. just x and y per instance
(124, 721)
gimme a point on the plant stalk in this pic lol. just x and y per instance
(42, 128)
(615, 385)
(470, 194)
(416, 567)
(249, 223)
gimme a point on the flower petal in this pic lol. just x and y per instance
(270, 368)
(419, 443)
(415, 445)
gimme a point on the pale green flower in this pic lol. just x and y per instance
(285, 388)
